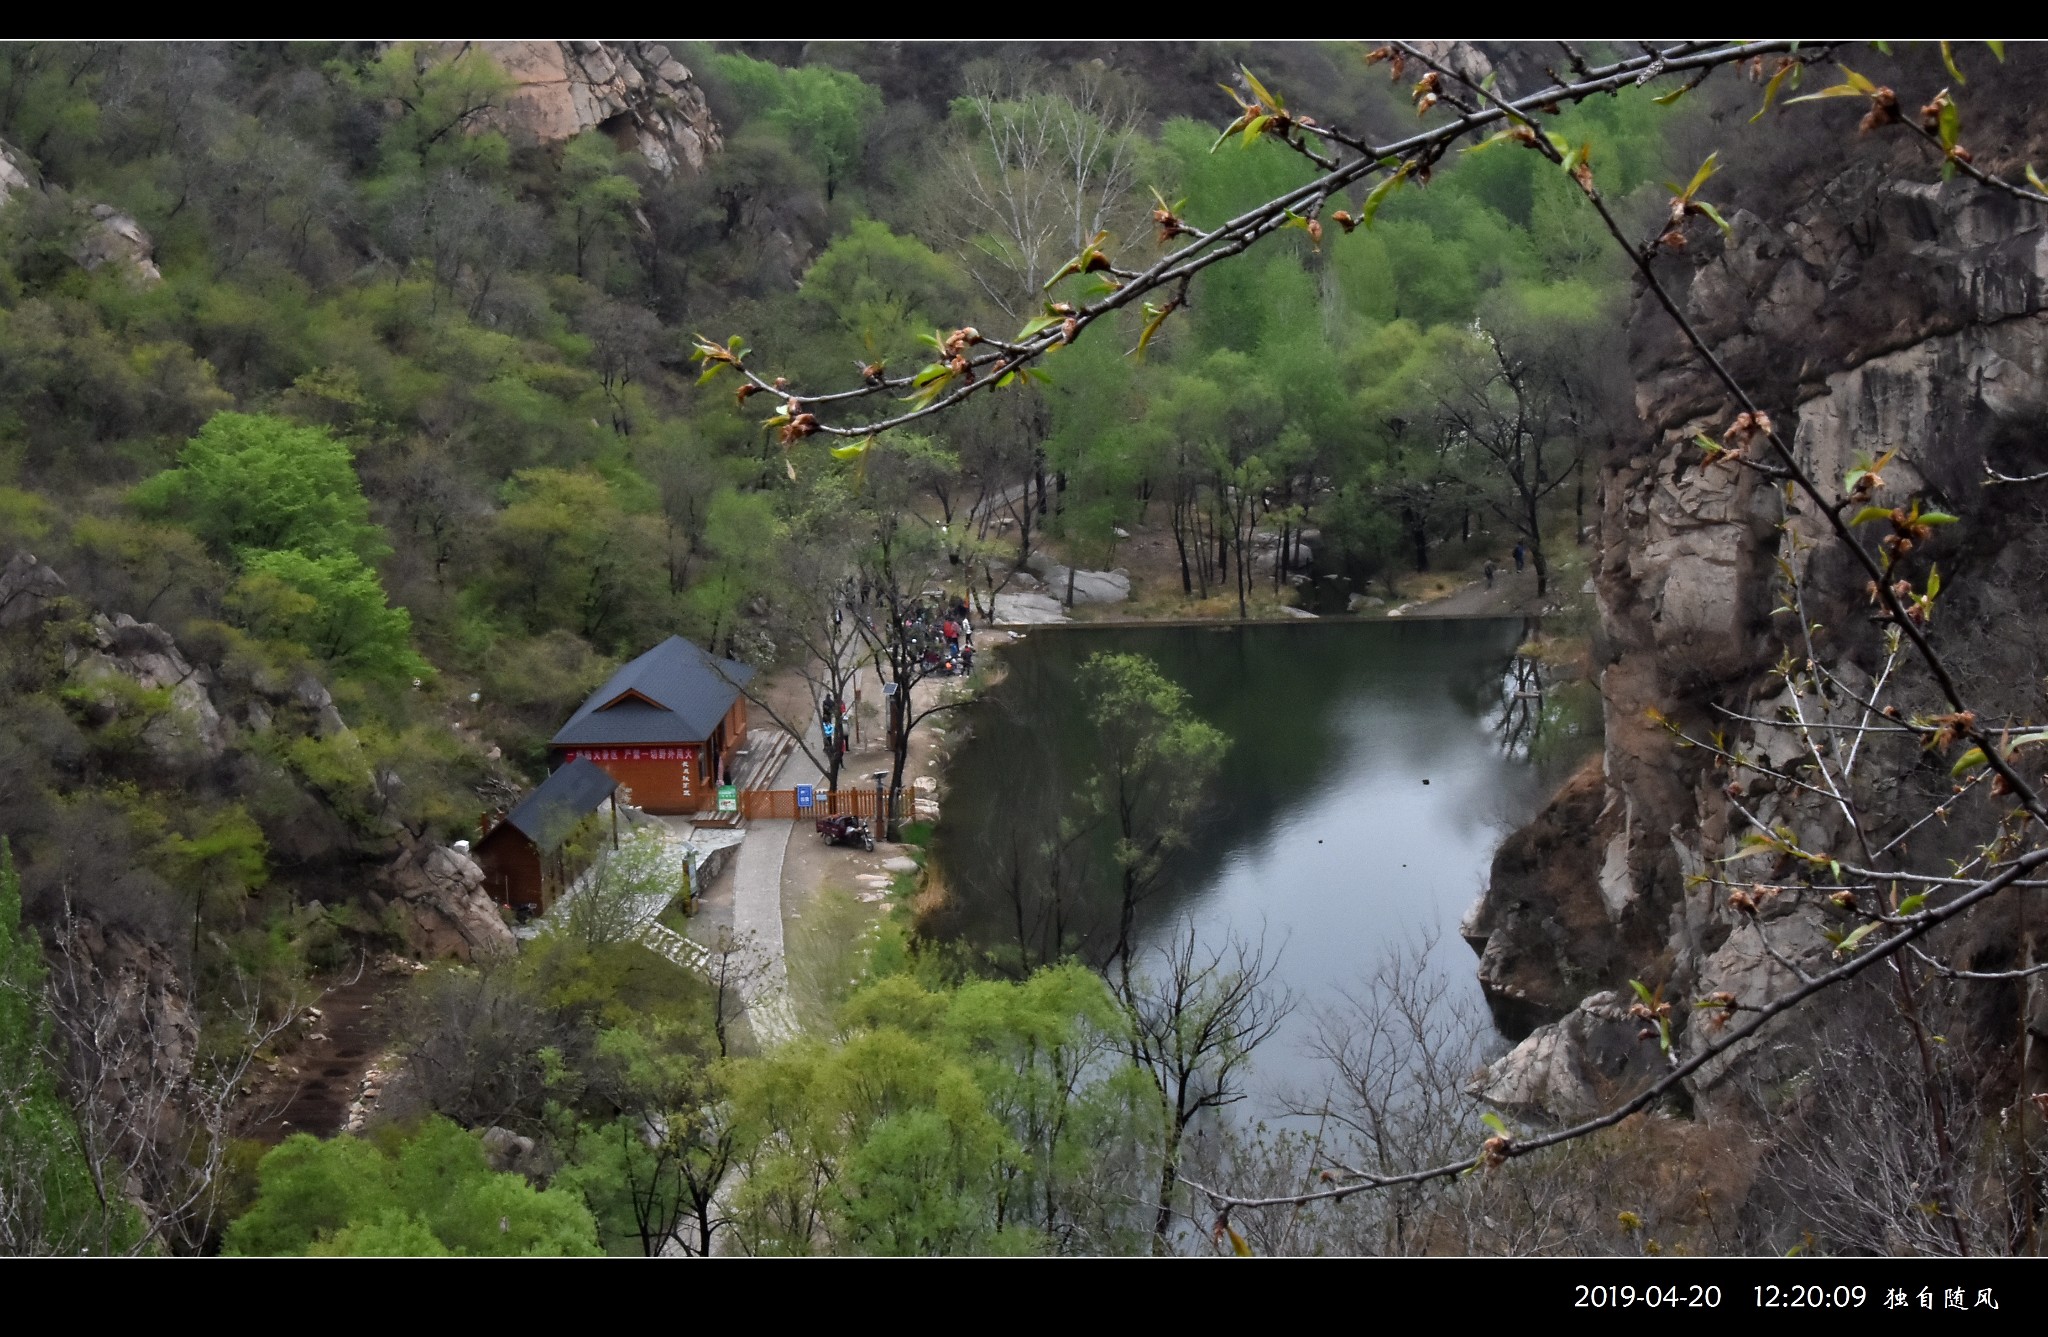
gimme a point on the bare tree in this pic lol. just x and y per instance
(1857, 1159)
(1498, 409)
(1195, 1021)
(1047, 168)
(153, 1094)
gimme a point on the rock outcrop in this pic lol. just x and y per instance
(636, 92)
(116, 238)
(1869, 308)
(439, 893)
(27, 589)
(1577, 1067)
(106, 234)
(146, 655)
(1028, 608)
(1085, 587)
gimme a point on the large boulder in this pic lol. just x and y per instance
(27, 587)
(1088, 586)
(1572, 1069)
(135, 1036)
(116, 238)
(1028, 608)
(1558, 917)
(146, 654)
(439, 894)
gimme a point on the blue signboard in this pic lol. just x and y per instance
(804, 797)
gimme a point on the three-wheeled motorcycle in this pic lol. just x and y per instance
(846, 829)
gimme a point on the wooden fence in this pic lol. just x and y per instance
(774, 803)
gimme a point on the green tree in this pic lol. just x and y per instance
(445, 106)
(427, 1191)
(250, 481)
(880, 289)
(333, 605)
(822, 112)
(1152, 773)
(566, 552)
(599, 198)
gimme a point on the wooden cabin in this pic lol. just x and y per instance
(542, 846)
(665, 727)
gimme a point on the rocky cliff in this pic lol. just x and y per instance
(1870, 308)
(636, 92)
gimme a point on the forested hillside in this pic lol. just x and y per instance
(389, 393)
(350, 433)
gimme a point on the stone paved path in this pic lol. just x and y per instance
(762, 976)
(757, 926)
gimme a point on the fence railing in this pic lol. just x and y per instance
(782, 803)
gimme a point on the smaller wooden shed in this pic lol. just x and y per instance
(542, 846)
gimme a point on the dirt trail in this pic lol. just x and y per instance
(312, 1087)
(1512, 595)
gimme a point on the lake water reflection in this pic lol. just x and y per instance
(1324, 837)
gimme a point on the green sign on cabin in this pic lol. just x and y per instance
(728, 798)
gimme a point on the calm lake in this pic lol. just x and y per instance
(1373, 769)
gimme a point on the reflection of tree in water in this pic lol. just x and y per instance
(1540, 712)
(1518, 716)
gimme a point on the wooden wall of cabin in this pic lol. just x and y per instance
(666, 785)
(512, 870)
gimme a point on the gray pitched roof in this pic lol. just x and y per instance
(686, 692)
(552, 811)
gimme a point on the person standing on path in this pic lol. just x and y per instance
(1521, 555)
(1489, 573)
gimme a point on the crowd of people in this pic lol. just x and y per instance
(944, 634)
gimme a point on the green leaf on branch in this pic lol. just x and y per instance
(1948, 58)
(1488, 142)
(1936, 518)
(1756, 842)
(1699, 178)
(1848, 943)
(1998, 50)
(1950, 122)
(854, 451)
(1912, 903)
(1771, 91)
(1378, 195)
(1969, 761)
(1155, 316)
(1259, 90)
(1857, 86)
(1714, 215)
(1643, 992)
